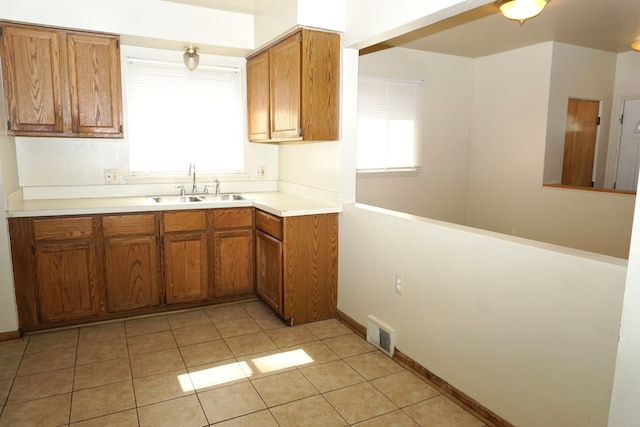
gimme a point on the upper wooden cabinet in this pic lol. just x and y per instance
(259, 119)
(60, 82)
(293, 89)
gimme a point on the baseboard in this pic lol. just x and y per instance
(466, 402)
(9, 336)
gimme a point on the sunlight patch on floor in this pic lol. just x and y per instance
(230, 372)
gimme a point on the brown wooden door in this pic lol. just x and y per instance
(233, 262)
(580, 142)
(186, 267)
(66, 281)
(269, 284)
(131, 269)
(258, 113)
(33, 79)
(284, 66)
(94, 84)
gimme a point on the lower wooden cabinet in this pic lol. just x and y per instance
(186, 256)
(56, 269)
(132, 276)
(297, 265)
(66, 281)
(186, 267)
(72, 269)
(269, 270)
(233, 252)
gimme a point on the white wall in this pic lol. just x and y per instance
(280, 17)
(625, 411)
(484, 153)
(627, 85)
(507, 156)
(527, 330)
(581, 73)
(439, 189)
(626, 389)
(151, 23)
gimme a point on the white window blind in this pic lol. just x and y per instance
(178, 117)
(390, 115)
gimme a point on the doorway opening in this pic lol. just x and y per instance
(628, 153)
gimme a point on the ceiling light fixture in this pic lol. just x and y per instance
(636, 44)
(520, 10)
(191, 58)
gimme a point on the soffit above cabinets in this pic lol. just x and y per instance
(597, 24)
(241, 6)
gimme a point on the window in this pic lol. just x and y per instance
(178, 117)
(389, 124)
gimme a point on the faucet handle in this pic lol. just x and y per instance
(181, 187)
(216, 185)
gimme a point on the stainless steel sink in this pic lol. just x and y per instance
(221, 197)
(174, 200)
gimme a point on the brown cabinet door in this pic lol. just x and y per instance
(66, 281)
(131, 269)
(94, 84)
(186, 267)
(258, 113)
(310, 255)
(233, 262)
(269, 271)
(284, 75)
(320, 85)
(33, 79)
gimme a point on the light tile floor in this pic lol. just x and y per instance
(230, 365)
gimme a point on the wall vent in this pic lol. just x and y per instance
(381, 335)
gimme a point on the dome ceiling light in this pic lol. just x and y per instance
(521, 10)
(191, 58)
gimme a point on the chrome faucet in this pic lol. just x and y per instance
(216, 185)
(192, 170)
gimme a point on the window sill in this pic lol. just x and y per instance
(601, 190)
(171, 178)
(387, 173)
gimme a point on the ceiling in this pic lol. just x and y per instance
(608, 25)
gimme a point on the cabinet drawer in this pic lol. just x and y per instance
(233, 218)
(129, 225)
(63, 229)
(184, 221)
(270, 224)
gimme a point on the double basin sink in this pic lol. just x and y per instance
(196, 198)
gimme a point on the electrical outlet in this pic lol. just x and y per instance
(398, 284)
(261, 172)
(111, 176)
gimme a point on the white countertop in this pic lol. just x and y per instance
(277, 203)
